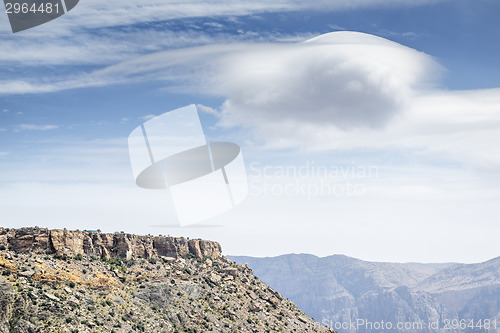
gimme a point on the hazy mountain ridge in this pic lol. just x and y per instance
(463, 276)
(341, 289)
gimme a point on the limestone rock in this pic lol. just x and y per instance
(66, 243)
(71, 243)
(252, 295)
(231, 271)
(6, 305)
(28, 273)
(52, 297)
(73, 300)
(28, 239)
(215, 278)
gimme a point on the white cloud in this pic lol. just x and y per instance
(339, 91)
(5, 110)
(216, 63)
(98, 14)
(72, 202)
(91, 49)
(147, 117)
(4, 153)
(344, 79)
(462, 127)
(10, 87)
(70, 161)
(71, 40)
(33, 127)
(95, 49)
(208, 110)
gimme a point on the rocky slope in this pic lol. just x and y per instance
(340, 290)
(77, 281)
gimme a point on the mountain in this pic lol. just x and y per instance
(87, 281)
(352, 295)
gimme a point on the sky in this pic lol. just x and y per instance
(368, 128)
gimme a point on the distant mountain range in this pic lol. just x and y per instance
(352, 295)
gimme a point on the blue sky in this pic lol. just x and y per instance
(422, 107)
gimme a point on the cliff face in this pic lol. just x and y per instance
(72, 281)
(125, 246)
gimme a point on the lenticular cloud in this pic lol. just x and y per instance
(344, 79)
(341, 80)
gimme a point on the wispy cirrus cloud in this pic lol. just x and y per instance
(95, 53)
(85, 48)
(346, 79)
(147, 117)
(34, 127)
(98, 14)
(340, 91)
(72, 39)
(208, 110)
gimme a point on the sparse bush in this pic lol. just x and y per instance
(115, 261)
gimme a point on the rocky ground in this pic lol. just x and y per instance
(42, 289)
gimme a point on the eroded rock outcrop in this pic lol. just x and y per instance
(121, 245)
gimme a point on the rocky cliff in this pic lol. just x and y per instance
(70, 243)
(74, 281)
